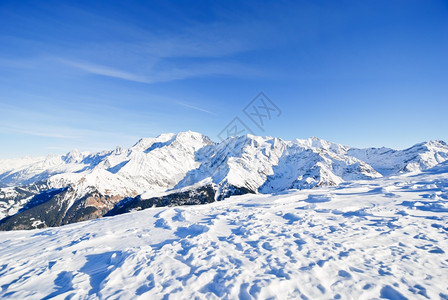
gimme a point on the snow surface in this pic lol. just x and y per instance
(368, 239)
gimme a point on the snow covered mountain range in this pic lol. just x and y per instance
(186, 168)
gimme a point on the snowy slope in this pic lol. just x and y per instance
(272, 164)
(414, 159)
(152, 164)
(370, 239)
(22, 171)
(56, 190)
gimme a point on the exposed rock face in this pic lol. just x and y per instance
(202, 195)
(56, 207)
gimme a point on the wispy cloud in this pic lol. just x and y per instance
(105, 71)
(130, 52)
(166, 72)
(146, 56)
(195, 108)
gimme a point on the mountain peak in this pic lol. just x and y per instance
(436, 143)
(74, 156)
(187, 136)
(144, 143)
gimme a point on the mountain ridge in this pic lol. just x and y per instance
(172, 166)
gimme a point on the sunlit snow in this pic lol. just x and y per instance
(380, 238)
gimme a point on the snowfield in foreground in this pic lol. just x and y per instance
(382, 238)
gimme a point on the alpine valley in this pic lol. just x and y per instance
(184, 169)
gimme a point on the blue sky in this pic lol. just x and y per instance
(95, 74)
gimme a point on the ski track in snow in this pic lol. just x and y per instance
(383, 238)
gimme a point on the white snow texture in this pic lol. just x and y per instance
(374, 225)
